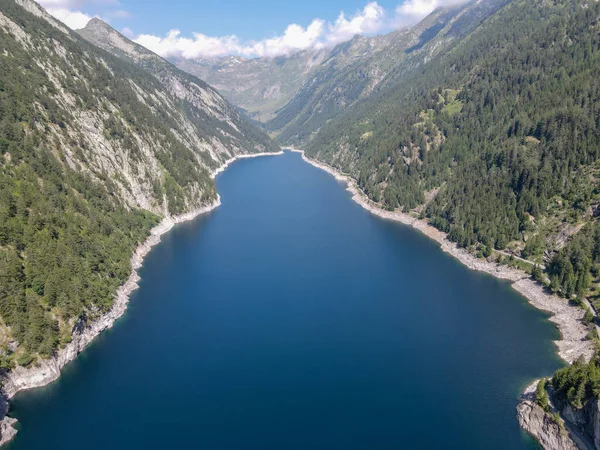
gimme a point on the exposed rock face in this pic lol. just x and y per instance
(7, 430)
(155, 132)
(296, 95)
(210, 112)
(548, 427)
(543, 427)
(571, 429)
(261, 86)
(587, 419)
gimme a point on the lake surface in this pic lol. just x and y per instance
(290, 318)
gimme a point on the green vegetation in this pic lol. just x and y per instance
(541, 395)
(238, 133)
(578, 383)
(67, 227)
(571, 269)
(355, 70)
(503, 123)
(65, 243)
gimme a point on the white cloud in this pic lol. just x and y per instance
(69, 11)
(295, 38)
(318, 34)
(119, 14)
(411, 11)
(127, 33)
(200, 45)
(372, 19)
(56, 3)
(75, 3)
(73, 19)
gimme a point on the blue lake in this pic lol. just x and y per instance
(290, 318)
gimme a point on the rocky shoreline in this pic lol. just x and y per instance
(567, 318)
(49, 370)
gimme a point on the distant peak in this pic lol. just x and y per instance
(96, 23)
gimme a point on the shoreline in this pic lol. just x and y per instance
(49, 370)
(567, 319)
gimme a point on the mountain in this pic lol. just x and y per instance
(496, 142)
(360, 68)
(502, 116)
(260, 86)
(295, 95)
(204, 107)
(94, 151)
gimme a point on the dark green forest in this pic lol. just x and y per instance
(502, 133)
(577, 384)
(352, 69)
(505, 124)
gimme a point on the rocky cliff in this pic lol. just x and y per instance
(545, 425)
(560, 425)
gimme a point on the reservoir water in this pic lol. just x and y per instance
(290, 318)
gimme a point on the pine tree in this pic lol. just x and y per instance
(555, 284)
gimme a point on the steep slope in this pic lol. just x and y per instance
(93, 152)
(496, 142)
(204, 107)
(364, 66)
(296, 95)
(504, 116)
(260, 86)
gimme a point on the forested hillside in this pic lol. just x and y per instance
(296, 95)
(501, 133)
(93, 151)
(358, 69)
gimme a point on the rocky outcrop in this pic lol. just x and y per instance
(586, 419)
(149, 132)
(571, 429)
(543, 426)
(206, 112)
(7, 430)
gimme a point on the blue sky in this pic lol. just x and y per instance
(250, 28)
(249, 20)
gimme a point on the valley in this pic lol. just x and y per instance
(478, 126)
